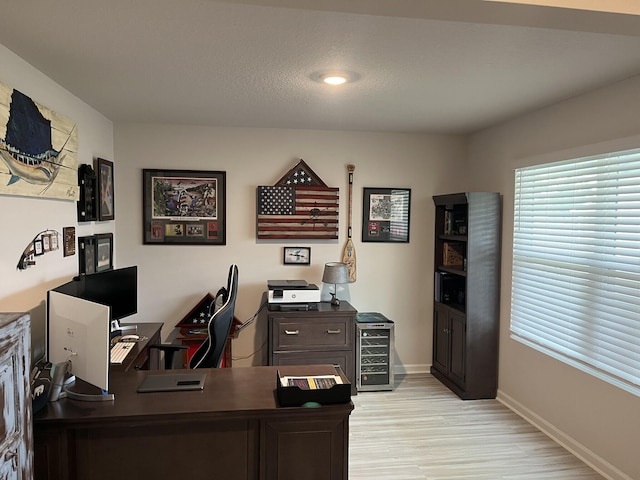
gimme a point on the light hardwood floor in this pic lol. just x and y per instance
(421, 430)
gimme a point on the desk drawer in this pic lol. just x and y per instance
(311, 333)
(343, 358)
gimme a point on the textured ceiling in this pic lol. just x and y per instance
(445, 66)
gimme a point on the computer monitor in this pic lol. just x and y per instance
(38, 335)
(116, 288)
(79, 343)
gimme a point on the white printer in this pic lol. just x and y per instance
(292, 295)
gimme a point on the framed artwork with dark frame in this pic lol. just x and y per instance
(296, 256)
(184, 207)
(87, 255)
(69, 241)
(104, 252)
(95, 253)
(105, 184)
(38, 249)
(385, 215)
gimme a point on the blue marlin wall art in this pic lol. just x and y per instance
(38, 149)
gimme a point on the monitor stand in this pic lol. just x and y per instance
(62, 381)
(116, 327)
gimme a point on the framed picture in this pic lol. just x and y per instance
(54, 241)
(106, 203)
(46, 242)
(69, 241)
(87, 255)
(184, 207)
(297, 255)
(38, 249)
(385, 214)
(104, 252)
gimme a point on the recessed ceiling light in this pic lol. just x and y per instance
(335, 77)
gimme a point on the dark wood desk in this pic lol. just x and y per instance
(233, 429)
(141, 357)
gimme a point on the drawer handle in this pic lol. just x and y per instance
(333, 332)
(292, 332)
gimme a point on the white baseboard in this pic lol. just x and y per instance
(411, 369)
(601, 466)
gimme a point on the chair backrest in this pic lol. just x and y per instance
(211, 352)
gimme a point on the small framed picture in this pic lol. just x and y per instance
(54, 241)
(69, 241)
(104, 252)
(297, 255)
(385, 214)
(87, 255)
(106, 206)
(46, 242)
(38, 249)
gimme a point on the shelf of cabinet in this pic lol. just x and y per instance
(454, 271)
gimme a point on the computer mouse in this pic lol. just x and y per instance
(129, 338)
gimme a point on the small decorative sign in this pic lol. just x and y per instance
(69, 239)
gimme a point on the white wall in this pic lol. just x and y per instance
(23, 217)
(598, 421)
(394, 279)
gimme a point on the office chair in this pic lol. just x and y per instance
(211, 351)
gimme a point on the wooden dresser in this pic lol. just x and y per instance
(323, 336)
(16, 446)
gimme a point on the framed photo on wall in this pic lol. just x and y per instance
(106, 202)
(87, 255)
(297, 255)
(385, 214)
(104, 252)
(184, 207)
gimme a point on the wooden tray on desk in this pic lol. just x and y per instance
(293, 396)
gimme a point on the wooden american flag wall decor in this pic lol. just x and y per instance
(299, 206)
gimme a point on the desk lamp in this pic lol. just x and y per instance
(335, 272)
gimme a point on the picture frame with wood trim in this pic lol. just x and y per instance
(105, 184)
(184, 207)
(386, 214)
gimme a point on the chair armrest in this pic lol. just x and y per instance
(169, 350)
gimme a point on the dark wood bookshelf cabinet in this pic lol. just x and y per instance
(466, 293)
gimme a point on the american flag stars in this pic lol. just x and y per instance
(299, 177)
(276, 200)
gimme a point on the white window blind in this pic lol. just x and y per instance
(575, 290)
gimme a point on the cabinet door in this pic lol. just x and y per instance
(313, 449)
(457, 326)
(15, 425)
(440, 338)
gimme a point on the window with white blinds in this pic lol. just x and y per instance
(575, 291)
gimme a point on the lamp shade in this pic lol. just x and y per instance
(335, 272)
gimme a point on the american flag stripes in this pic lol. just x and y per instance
(297, 212)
